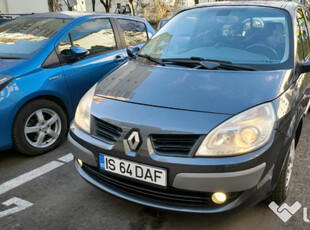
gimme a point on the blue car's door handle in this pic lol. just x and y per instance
(119, 58)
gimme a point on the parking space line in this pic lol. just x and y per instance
(66, 158)
(11, 184)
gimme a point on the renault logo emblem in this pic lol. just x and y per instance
(133, 140)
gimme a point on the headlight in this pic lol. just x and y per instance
(82, 114)
(240, 134)
(4, 81)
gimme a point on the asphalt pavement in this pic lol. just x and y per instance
(46, 192)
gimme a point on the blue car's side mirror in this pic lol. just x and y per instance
(132, 51)
(79, 52)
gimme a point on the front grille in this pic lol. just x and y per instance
(170, 196)
(178, 145)
(107, 132)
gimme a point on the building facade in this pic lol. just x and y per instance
(40, 6)
(37, 6)
(23, 6)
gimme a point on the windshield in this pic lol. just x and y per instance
(252, 36)
(22, 37)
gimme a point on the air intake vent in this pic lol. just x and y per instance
(178, 145)
(107, 132)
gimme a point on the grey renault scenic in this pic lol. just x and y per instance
(204, 118)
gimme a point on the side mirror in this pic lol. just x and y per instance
(132, 51)
(79, 52)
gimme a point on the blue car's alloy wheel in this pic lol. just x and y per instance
(40, 126)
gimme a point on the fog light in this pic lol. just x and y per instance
(80, 162)
(219, 197)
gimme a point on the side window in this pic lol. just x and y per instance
(95, 35)
(307, 16)
(298, 35)
(64, 46)
(251, 23)
(63, 49)
(134, 31)
(303, 32)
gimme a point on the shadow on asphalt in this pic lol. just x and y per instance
(11, 154)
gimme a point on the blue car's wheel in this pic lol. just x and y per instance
(40, 126)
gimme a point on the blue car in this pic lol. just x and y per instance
(47, 62)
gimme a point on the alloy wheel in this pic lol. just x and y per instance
(290, 164)
(42, 128)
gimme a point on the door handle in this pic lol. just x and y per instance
(119, 58)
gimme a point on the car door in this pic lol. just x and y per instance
(303, 51)
(102, 41)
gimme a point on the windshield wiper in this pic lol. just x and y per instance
(208, 63)
(148, 57)
(225, 64)
(212, 60)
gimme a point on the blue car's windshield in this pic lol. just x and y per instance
(254, 36)
(22, 37)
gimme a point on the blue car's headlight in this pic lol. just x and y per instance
(4, 81)
(240, 134)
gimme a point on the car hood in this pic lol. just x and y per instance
(8, 66)
(213, 91)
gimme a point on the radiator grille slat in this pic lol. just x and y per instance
(173, 144)
(107, 132)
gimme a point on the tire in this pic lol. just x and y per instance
(280, 193)
(40, 126)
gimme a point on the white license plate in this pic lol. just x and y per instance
(134, 170)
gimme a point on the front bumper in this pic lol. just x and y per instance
(212, 182)
(9, 97)
(200, 182)
(166, 199)
(246, 179)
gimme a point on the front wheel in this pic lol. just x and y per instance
(39, 127)
(280, 193)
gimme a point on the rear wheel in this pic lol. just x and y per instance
(280, 193)
(39, 127)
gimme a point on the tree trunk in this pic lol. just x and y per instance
(70, 8)
(107, 8)
(51, 5)
(106, 5)
(131, 8)
(93, 2)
